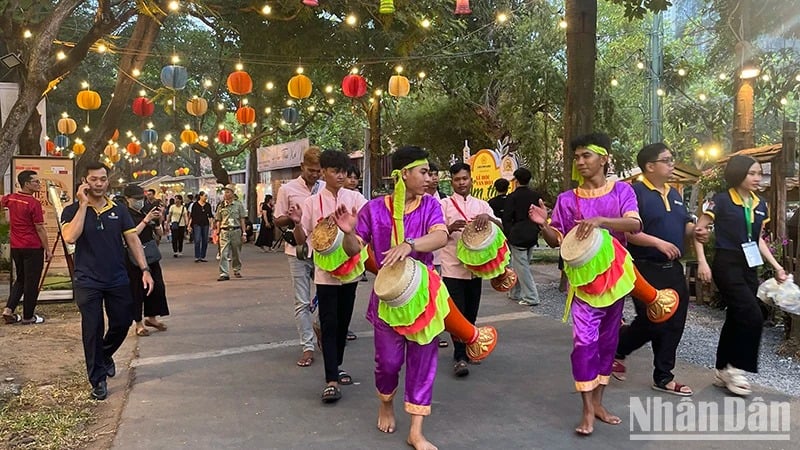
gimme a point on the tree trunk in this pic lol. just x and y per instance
(30, 140)
(374, 121)
(219, 172)
(252, 177)
(134, 56)
(581, 17)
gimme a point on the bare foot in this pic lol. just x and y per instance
(601, 413)
(419, 442)
(586, 426)
(386, 417)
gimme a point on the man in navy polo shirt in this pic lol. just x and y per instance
(97, 226)
(656, 252)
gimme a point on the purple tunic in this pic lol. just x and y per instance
(595, 331)
(375, 227)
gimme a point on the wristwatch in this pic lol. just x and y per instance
(410, 242)
(146, 269)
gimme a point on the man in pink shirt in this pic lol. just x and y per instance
(29, 248)
(336, 300)
(465, 289)
(301, 266)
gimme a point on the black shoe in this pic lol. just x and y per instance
(100, 391)
(111, 368)
(223, 278)
(460, 369)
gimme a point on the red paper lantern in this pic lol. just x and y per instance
(245, 115)
(143, 107)
(133, 148)
(354, 86)
(240, 83)
(50, 146)
(462, 7)
(225, 136)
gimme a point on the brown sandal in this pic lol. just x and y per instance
(157, 325)
(306, 360)
(143, 332)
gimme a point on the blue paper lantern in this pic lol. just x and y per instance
(149, 136)
(62, 141)
(174, 77)
(289, 115)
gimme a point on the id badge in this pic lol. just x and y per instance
(751, 254)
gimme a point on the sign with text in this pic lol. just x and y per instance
(487, 167)
(281, 156)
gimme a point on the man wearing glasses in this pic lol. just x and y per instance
(29, 248)
(97, 227)
(656, 252)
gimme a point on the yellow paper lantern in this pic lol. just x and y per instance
(78, 148)
(153, 172)
(299, 86)
(398, 86)
(167, 148)
(67, 126)
(135, 175)
(88, 100)
(110, 151)
(189, 137)
(197, 106)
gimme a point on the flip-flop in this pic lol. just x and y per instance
(157, 325)
(33, 321)
(619, 371)
(676, 390)
(143, 332)
(351, 336)
(306, 360)
(331, 394)
(12, 318)
(344, 378)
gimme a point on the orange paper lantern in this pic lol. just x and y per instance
(246, 115)
(240, 83)
(67, 126)
(299, 86)
(133, 148)
(115, 136)
(88, 100)
(110, 150)
(50, 147)
(78, 149)
(398, 86)
(197, 106)
(188, 137)
(167, 148)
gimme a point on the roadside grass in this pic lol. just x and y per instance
(48, 416)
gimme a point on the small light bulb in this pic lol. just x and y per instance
(640, 65)
(266, 10)
(702, 97)
(300, 70)
(784, 101)
(169, 102)
(245, 101)
(270, 85)
(331, 101)
(207, 83)
(351, 20)
(187, 127)
(220, 106)
(174, 5)
(502, 18)
(354, 71)
(398, 69)
(267, 110)
(682, 72)
(101, 48)
(614, 82)
(660, 92)
(328, 89)
(176, 59)
(289, 102)
(425, 23)
(221, 127)
(64, 115)
(27, 34)
(722, 76)
(61, 55)
(562, 24)
(142, 93)
(136, 72)
(85, 84)
(378, 92)
(765, 77)
(239, 66)
(86, 129)
(311, 108)
(422, 75)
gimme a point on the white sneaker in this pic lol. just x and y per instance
(734, 380)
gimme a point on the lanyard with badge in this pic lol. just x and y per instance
(750, 248)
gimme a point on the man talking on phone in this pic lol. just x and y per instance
(95, 224)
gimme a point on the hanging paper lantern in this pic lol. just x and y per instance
(299, 86)
(62, 141)
(354, 86)
(133, 148)
(78, 148)
(88, 100)
(115, 135)
(149, 136)
(197, 106)
(387, 7)
(174, 77)
(225, 136)
(240, 83)
(311, 2)
(189, 137)
(462, 7)
(289, 115)
(167, 147)
(245, 115)
(153, 172)
(143, 107)
(398, 86)
(115, 159)
(50, 147)
(110, 151)
(67, 126)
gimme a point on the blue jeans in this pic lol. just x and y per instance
(302, 277)
(525, 289)
(200, 236)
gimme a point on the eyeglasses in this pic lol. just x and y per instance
(667, 161)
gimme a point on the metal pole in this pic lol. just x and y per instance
(656, 45)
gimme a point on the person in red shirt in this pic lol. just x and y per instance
(29, 248)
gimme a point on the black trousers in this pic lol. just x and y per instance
(665, 336)
(740, 337)
(29, 263)
(99, 349)
(335, 311)
(466, 295)
(177, 239)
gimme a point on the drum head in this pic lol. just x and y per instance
(576, 252)
(475, 239)
(396, 280)
(325, 235)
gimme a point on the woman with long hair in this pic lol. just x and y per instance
(266, 234)
(178, 220)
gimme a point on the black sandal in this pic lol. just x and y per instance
(443, 343)
(344, 378)
(331, 394)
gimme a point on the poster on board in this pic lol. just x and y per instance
(58, 176)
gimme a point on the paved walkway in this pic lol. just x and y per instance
(224, 377)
